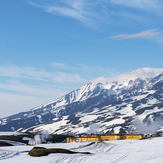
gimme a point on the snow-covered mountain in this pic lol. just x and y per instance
(120, 104)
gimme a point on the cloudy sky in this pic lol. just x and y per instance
(51, 47)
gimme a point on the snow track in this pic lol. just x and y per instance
(98, 147)
(7, 154)
(98, 150)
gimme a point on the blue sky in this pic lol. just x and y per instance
(51, 47)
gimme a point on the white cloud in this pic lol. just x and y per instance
(89, 12)
(145, 34)
(62, 77)
(96, 70)
(23, 72)
(85, 71)
(35, 82)
(33, 90)
(42, 75)
(77, 9)
(57, 64)
(145, 4)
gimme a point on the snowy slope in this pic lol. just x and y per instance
(120, 151)
(114, 104)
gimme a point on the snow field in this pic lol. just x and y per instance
(88, 118)
(120, 151)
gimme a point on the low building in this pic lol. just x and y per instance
(96, 138)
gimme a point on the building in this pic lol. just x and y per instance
(103, 137)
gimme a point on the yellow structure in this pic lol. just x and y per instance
(95, 138)
(81, 139)
(132, 136)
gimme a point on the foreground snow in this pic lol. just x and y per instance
(124, 151)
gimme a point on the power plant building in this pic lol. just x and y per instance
(96, 138)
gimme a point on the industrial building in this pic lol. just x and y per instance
(104, 137)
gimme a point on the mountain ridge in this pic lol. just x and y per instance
(111, 103)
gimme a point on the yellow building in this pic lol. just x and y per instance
(95, 138)
(133, 136)
(82, 139)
